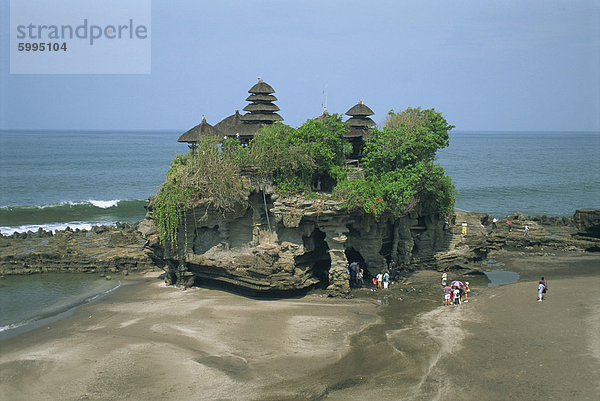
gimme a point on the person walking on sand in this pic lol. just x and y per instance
(467, 291)
(541, 287)
(379, 280)
(545, 288)
(386, 280)
(447, 291)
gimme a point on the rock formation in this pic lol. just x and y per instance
(274, 246)
(103, 249)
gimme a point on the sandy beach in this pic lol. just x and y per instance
(148, 341)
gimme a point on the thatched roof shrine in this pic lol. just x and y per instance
(234, 126)
(203, 129)
(324, 115)
(261, 88)
(261, 110)
(360, 109)
(359, 121)
(359, 124)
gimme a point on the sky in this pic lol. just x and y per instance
(486, 65)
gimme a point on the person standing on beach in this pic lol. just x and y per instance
(494, 225)
(509, 224)
(374, 283)
(359, 278)
(456, 293)
(545, 288)
(447, 291)
(540, 291)
(467, 291)
(379, 280)
(386, 280)
(526, 230)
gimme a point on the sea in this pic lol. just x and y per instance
(78, 179)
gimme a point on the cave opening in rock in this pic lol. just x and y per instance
(317, 258)
(321, 257)
(352, 255)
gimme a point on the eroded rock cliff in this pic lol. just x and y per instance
(275, 246)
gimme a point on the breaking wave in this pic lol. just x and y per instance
(82, 215)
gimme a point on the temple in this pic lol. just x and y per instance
(359, 125)
(193, 136)
(262, 111)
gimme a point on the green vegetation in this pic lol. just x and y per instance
(398, 169)
(399, 166)
(208, 175)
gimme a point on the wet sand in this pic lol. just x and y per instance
(148, 341)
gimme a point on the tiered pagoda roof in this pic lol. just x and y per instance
(358, 125)
(359, 121)
(261, 110)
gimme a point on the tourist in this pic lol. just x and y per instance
(352, 277)
(359, 278)
(386, 280)
(526, 230)
(447, 295)
(379, 280)
(397, 274)
(509, 224)
(494, 225)
(467, 291)
(444, 278)
(545, 287)
(374, 281)
(541, 287)
(456, 294)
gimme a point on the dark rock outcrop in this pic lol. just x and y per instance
(102, 249)
(546, 234)
(588, 222)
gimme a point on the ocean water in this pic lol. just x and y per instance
(28, 301)
(536, 173)
(79, 179)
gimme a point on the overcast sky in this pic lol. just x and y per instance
(486, 65)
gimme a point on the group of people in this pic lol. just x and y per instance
(509, 225)
(455, 293)
(379, 281)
